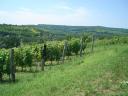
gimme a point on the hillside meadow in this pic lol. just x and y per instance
(101, 73)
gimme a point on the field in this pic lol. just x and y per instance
(101, 73)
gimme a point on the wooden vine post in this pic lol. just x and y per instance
(92, 49)
(12, 66)
(81, 46)
(64, 51)
(43, 57)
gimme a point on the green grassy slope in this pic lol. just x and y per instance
(97, 74)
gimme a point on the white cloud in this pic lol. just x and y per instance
(65, 7)
(24, 9)
(25, 16)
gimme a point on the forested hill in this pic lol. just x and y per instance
(11, 35)
(81, 29)
(36, 30)
(43, 29)
(22, 30)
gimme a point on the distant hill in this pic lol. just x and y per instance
(12, 35)
(43, 31)
(62, 29)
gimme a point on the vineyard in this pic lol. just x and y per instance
(28, 56)
(63, 48)
(33, 58)
(77, 66)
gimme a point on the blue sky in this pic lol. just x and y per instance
(110, 13)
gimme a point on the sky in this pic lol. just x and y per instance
(109, 13)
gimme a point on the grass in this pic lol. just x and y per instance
(101, 73)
